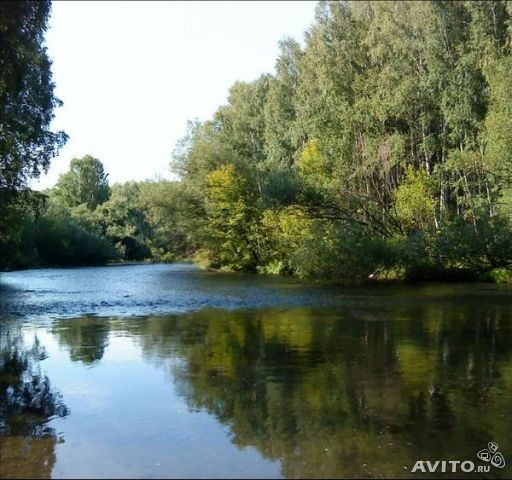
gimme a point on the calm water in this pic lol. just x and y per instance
(169, 371)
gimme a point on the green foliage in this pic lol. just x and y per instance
(340, 254)
(61, 240)
(414, 204)
(312, 164)
(501, 275)
(281, 132)
(171, 214)
(283, 232)
(85, 183)
(27, 101)
(124, 223)
(380, 149)
(231, 224)
(496, 135)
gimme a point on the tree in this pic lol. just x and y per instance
(381, 140)
(381, 147)
(413, 202)
(174, 216)
(27, 99)
(85, 183)
(231, 219)
(123, 221)
(281, 135)
(27, 103)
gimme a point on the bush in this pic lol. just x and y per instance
(59, 240)
(345, 254)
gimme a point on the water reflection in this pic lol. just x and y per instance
(27, 403)
(323, 392)
(336, 397)
(85, 338)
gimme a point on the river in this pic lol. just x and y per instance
(169, 371)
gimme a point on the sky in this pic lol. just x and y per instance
(131, 74)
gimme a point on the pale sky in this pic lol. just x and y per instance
(131, 74)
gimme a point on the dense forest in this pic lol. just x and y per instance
(381, 148)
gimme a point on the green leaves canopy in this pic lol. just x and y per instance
(85, 183)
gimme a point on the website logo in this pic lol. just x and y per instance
(490, 455)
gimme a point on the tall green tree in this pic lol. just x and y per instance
(85, 183)
(27, 104)
(27, 99)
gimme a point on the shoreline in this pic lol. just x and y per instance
(493, 277)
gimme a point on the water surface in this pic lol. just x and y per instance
(158, 371)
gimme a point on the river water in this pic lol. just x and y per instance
(159, 371)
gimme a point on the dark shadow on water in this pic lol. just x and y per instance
(27, 403)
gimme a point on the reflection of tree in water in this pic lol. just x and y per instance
(329, 395)
(86, 338)
(27, 403)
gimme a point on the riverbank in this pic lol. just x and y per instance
(497, 276)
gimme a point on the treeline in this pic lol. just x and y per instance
(381, 149)
(84, 221)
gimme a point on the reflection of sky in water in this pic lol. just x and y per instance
(127, 421)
